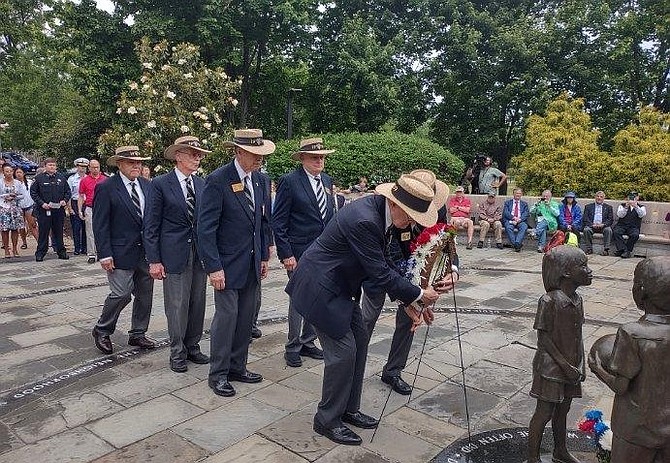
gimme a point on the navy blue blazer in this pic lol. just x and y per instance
(590, 211)
(351, 248)
(168, 231)
(230, 237)
(116, 226)
(508, 211)
(296, 219)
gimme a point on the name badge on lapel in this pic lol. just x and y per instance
(405, 236)
(329, 191)
(237, 187)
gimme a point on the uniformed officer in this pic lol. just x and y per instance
(78, 228)
(51, 194)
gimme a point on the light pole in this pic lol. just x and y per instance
(289, 112)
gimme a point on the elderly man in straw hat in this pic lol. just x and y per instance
(233, 243)
(303, 206)
(372, 300)
(353, 248)
(120, 205)
(170, 241)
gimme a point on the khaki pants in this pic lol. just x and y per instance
(484, 228)
(90, 239)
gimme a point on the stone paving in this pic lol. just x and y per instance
(61, 401)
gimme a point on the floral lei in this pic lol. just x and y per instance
(423, 246)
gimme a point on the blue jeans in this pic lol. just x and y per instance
(541, 233)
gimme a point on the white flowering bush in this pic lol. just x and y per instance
(176, 95)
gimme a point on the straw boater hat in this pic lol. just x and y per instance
(311, 146)
(126, 152)
(251, 140)
(439, 187)
(188, 142)
(413, 196)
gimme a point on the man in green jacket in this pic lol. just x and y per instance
(546, 212)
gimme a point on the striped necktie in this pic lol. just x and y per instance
(320, 197)
(247, 193)
(190, 199)
(135, 198)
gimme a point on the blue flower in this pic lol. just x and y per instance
(595, 415)
(600, 428)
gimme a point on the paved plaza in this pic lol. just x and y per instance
(62, 401)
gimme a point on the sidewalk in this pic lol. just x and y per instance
(60, 400)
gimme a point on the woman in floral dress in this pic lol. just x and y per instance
(11, 215)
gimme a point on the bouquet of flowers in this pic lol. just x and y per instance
(431, 251)
(601, 431)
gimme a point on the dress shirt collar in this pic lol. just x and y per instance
(180, 175)
(127, 181)
(310, 176)
(241, 171)
(389, 219)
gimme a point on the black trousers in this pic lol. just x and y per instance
(49, 222)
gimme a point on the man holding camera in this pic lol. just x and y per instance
(630, 215)
(490, 178)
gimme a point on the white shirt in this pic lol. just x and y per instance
(127, 182)
(243, 176)
(622, 210)
(312, 181)
(598, 213)
(182, 181)
(73, 181)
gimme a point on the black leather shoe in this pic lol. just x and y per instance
(246, 377)
(178, 365)
(293, 359)
(499, 245)
(256, 333)
(63, 256)
(397, 384)
(222, 387)
(39, 258)
(340, 435)
(480, 244)
(102, 342)
(198, 357)
(76, 253)
(311, 352)
(360, 420)
(625, 255)
(618, 253)
(142, 342)
(91, 260)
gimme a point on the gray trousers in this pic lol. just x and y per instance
(231, 328)
(300, 332)
(588, 237)
(122, 284)
(185, 295)
(344, 368)
(401, 344)
(90, 239)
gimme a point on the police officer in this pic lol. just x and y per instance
(51, 194)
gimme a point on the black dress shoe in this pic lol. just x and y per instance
(142, 342)
(397, 384)
(311, 352)
(222, 387)
(102, 342)
(91, 260)
(360, 420)
(246, 377)
(178, 365)
(499, 245)
(256, 333)
(63, 256)
(199, 358)
(39, 258)
(618, 253)
(293, 359)
(625, 255)
(76, 253)
(340, 435)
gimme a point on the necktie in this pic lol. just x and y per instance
(135, 198)
(247, 193)
(320, 197)
(516, 208)
(190, 199)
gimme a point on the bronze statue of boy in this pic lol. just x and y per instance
(636, 366)
(558, 366)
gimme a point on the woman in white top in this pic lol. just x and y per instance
(26, 204)
(11, 215)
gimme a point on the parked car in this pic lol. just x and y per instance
(15, 159)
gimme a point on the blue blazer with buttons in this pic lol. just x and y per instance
(296, 219)
(230, 236)
(117, 227)
(508, 211)
(168, 231)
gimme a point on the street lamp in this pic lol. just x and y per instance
(289, 112)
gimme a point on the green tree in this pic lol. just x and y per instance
(641, 157)
(561, 151)
(176, 95)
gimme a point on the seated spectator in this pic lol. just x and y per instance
(570, 214)
(490, 178)
(630, 216)
(598, 218)
(515, 219)
(546, 211)
(490, 215)
(459, 210)
(361, 186)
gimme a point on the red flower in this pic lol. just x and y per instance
(587, 425)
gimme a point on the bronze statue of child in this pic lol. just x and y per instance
(558, 366)
(636, 366)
